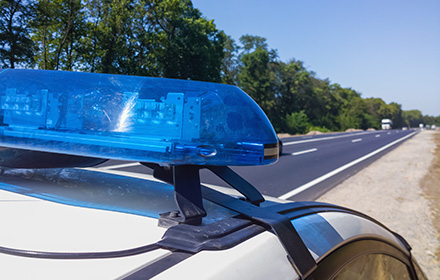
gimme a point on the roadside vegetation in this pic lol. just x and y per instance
(431, 186)
(172, 39)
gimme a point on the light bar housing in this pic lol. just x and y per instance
(165, 121)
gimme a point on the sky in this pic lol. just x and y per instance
(387, 49)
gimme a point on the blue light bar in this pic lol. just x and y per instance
(165, 121)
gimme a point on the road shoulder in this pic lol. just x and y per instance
(390, 190)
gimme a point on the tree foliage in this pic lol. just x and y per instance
(189, 46)
(16, 46)
(230, 67)
(296, 122)
(164, 38)
(171, 38)
(57, 27)
(255, 78)
(290, 94)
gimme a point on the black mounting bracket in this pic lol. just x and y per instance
(237, 182)
(188, 194)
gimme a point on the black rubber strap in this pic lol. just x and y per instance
(297, 251)
(237, 182)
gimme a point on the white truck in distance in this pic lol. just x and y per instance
(387, 124)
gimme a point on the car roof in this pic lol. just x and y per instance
(107, 212)
(137, 194)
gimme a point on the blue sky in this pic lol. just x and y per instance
(381, 48)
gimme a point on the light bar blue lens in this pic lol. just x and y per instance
(170, 122)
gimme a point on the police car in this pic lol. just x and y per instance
(63, 218)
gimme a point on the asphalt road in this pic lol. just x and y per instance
(309, 165)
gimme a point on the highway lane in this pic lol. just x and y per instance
(337, 160)
(307, 162)
(311, 158)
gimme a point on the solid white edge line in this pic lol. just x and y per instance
(340, 169)
(304, 152)
(131, 164)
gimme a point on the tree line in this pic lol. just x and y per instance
(172, 39)
(133, 37)
(297, 101)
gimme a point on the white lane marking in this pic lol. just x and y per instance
(378, 135)
(131, 164)
(356, 140)
(304, 152)
(340, 169)
(323, 139)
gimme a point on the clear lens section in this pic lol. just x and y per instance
(133, 118)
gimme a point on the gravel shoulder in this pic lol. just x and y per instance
(401, 190)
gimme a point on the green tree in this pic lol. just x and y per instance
(296, 123)
(322, 106)
(256, 79)
(353, 112)
(230, 64)
(16, 46)
(43, 30)
(412, 118)
(166, 38)
(251, 43)
(258, 76)
(300, 90)
(396, 114)
(391, 111)
(71, 29)
(146, 51)
(186, 45)
(57, 29)
(110, 36)
(292, 88)
(90, 47)
(375, 110)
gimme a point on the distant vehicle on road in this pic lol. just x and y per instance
(387, 124)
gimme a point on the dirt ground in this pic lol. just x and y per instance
(402, 190)
(431, 188)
